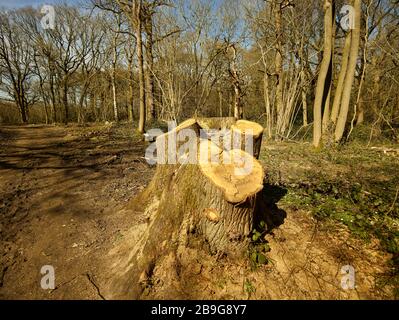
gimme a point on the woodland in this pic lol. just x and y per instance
(83, 84)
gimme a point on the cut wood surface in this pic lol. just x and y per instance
(239, 179)
(210, 201)
(243, 131)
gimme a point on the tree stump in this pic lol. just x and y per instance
(244, 130)
(202, 195)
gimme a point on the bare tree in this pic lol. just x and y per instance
(236, 81)
(350, 75)
(323, 82)
(16, 62)
(70, 49)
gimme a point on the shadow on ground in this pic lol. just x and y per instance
(268, 210)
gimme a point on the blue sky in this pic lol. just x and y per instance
(34, 3)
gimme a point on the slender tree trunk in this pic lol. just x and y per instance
(326, 126)
(150, 69)
(350, 76)
(266, 98)
(45, 101)
(115, 104)
(278, 62)
(341, 79)
(47, 119)
(113, 81)
(304, 94)
(220, 96)
(93, 101)
(327, 92)
(82, 98)
(52, 97)
(113, 73)
(235, 77)
(320, 100)
(22, 111)
(131, 90)
(65, 100)
(137, 8)
(360, 114)
(359, 104)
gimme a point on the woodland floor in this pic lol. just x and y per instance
(63, 190)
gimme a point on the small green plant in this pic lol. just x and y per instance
(257, 235)
(221, 283)
(259, 247)
(249, 287)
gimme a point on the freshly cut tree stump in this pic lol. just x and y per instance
(207, 201)
(244, 129)
(217, 123)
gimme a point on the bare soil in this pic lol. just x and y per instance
(63, 192)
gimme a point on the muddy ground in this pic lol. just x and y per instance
(62, 194)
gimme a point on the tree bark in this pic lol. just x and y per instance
(22, 111)
(236, 81)
(304, 99)
(341, 79)
(350, 76)
(113, 71)
(278, 62)
(266, 97)
(320, 97)
(150, 69)
(65, 100)
(52, 95)
(190, 206)
(131, 89)
(137, 9)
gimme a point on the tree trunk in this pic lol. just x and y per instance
(22, 111)
(150, 69)
(320, 97)
(220, 97)
(131, 90)
(266, 97)
(341, 79)
(191, 204)
(350, 76)
(46, 113)
(278, 62)
(236, 81)
(360, 114)
(326, 125)
(53, 101)
(359, 104)
(65, 101)
(137, 8)
(82, 98)
(113, 74)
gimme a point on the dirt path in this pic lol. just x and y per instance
(61, 195)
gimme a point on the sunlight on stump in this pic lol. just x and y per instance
(252, 131)
(202, 196)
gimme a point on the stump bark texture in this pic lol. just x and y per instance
(204, 194)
